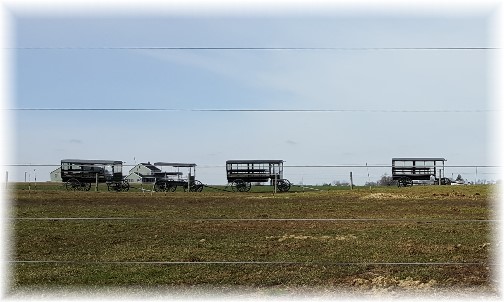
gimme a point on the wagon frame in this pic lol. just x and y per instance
(168, 181)
(242, 173)
(407, 171)
(79, 174)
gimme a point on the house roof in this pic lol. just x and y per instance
(59, 168)
(140, 175)
(150, 167)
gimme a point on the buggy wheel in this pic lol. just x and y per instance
(171, 186)
(160, 186)
(240, 186)
(125, 186)
(86, 186)
(114, 186)
(72, 184)
(196, 186)
(445, 181)
(244, 186)
(283, 185)
(404, 182)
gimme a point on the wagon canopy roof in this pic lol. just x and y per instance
(419, 158)
(174, 164)
(255, 161)
(92, 161)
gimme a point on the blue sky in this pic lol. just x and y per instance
(253, 79)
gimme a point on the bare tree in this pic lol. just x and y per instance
(386, 180)
(339, 183)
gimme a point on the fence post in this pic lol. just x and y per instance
(6, 179)
(96, 182)
(351, 181)
(189, 182)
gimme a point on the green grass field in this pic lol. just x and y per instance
(420, 237)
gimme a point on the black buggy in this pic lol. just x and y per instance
(409, 171)
(168, 181)
(242, 173)
(79, 174)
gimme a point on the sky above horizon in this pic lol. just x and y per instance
(65, 62)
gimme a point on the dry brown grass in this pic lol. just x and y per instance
(417, 225)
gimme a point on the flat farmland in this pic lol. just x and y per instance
(427, 237)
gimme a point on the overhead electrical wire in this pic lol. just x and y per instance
(247, 48)
(259, 110)
(287, 166)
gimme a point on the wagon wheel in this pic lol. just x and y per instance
(283, 185)
(85, 186)
(171, 186)
(242, 186)
(196, 186)
(160, 186)
(72, 184)
(404, 182)
(125, 186)
(114, 186)
(445, 181)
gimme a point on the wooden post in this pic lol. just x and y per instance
(275, 183)
(439, 179)
(6, 179)
(96, 182)
(189, 182)
(351, 181)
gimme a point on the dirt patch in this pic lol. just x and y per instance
(388, 283)
(306, 237)
(385, 196)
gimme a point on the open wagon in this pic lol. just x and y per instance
(79, 174)
(407, 171)
(169, 181)
(242, 173)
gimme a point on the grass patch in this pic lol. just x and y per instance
(412, 225)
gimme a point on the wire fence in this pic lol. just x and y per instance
(301, 175)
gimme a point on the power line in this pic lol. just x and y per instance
(250, 48)
(258, 110)
(285, 166)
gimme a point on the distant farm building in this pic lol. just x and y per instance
(56, 175)
(143, 173)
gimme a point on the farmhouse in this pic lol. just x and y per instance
(143, 173)
(56, 175)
